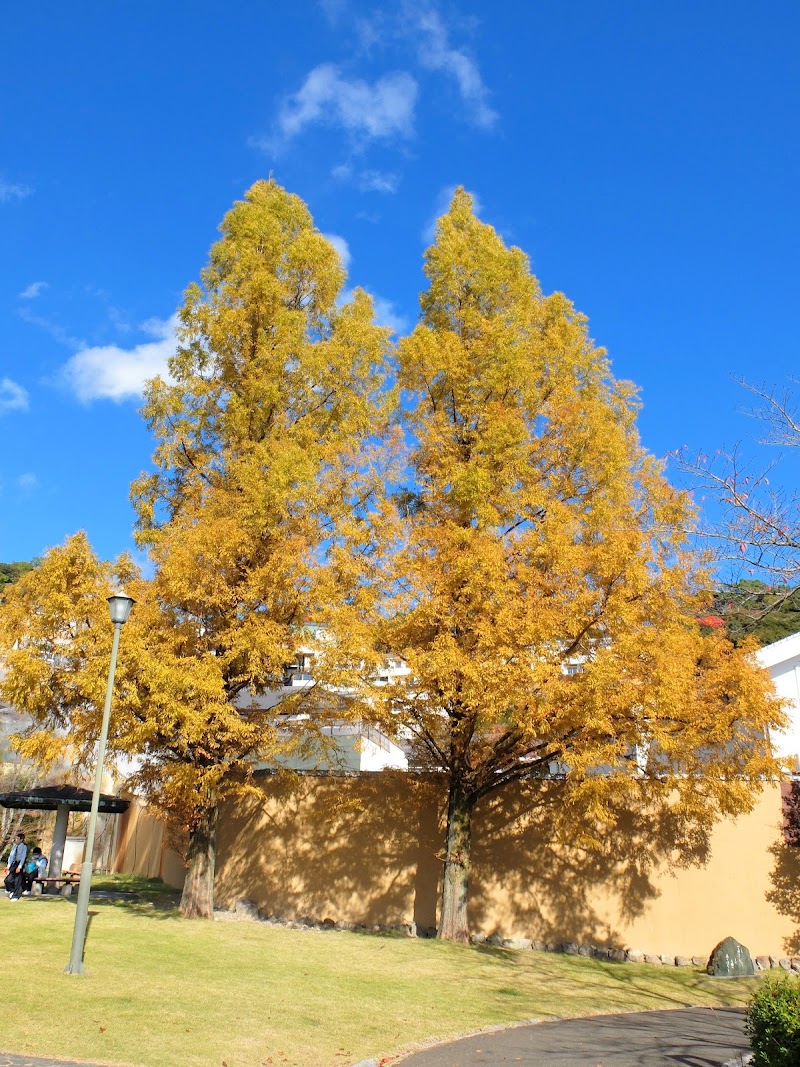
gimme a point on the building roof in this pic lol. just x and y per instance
(50, 797)
(778, 652)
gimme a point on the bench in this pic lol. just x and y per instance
(63, 883)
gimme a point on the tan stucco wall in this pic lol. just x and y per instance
(142, 847)
(367, 850)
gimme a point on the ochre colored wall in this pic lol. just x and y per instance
(142, 847)
(361, 849)
(367, 850)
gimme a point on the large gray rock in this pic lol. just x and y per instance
(523, 943)
(730, 959)
(247, 910)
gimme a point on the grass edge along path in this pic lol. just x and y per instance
(161, 991)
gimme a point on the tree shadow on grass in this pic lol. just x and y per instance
(663, 988)
(149, 909)
(159, 906)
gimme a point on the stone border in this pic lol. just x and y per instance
(248, 911)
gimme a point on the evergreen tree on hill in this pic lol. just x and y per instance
(753, 608)
(10, 572)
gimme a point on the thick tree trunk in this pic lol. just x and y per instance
(455, 890)
(197, 900)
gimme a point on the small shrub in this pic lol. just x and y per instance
(772, 1022)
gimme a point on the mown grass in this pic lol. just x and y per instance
(165, 992)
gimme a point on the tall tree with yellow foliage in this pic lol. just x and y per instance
(264, 465)
(539, 585)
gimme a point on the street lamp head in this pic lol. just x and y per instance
(120, 607)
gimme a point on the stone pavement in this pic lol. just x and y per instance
(9, 1060)
(684, 1037)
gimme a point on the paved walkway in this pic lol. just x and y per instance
(686, 1037)
(7, 1060)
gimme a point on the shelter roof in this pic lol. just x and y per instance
(50, 797)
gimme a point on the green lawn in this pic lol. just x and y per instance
(165, 992)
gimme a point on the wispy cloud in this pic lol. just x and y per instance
(33, 290)
(376, 110)
(341, 246)
(435, 53)
(333, 9)
(12, 396)
(386, 313)
(55, 329)
(27, 482)
(367, 181)
(11, 191)
(109, 372)
(443, 198)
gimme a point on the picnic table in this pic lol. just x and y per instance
(63, 883)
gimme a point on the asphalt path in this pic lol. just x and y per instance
(685, 1037)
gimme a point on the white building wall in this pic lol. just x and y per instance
(782, 660)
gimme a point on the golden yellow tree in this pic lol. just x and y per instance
(263, 467)
(538, 581)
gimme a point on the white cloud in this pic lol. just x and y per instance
(33, 290)
(443, 199)
(10, 191)
(377, 181)
(12, 396)
(381, 109)
(109, 372)
(27, 482)
(435, 53)
(367, 181)
(386, 314)
(341, 247)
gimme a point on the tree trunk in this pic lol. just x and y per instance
(455, 890)
(197, 900)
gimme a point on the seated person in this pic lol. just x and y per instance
(36, 867)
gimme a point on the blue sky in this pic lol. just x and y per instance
(644, 156)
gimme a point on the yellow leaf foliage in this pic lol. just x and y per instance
(266, 457)
(539, 584)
